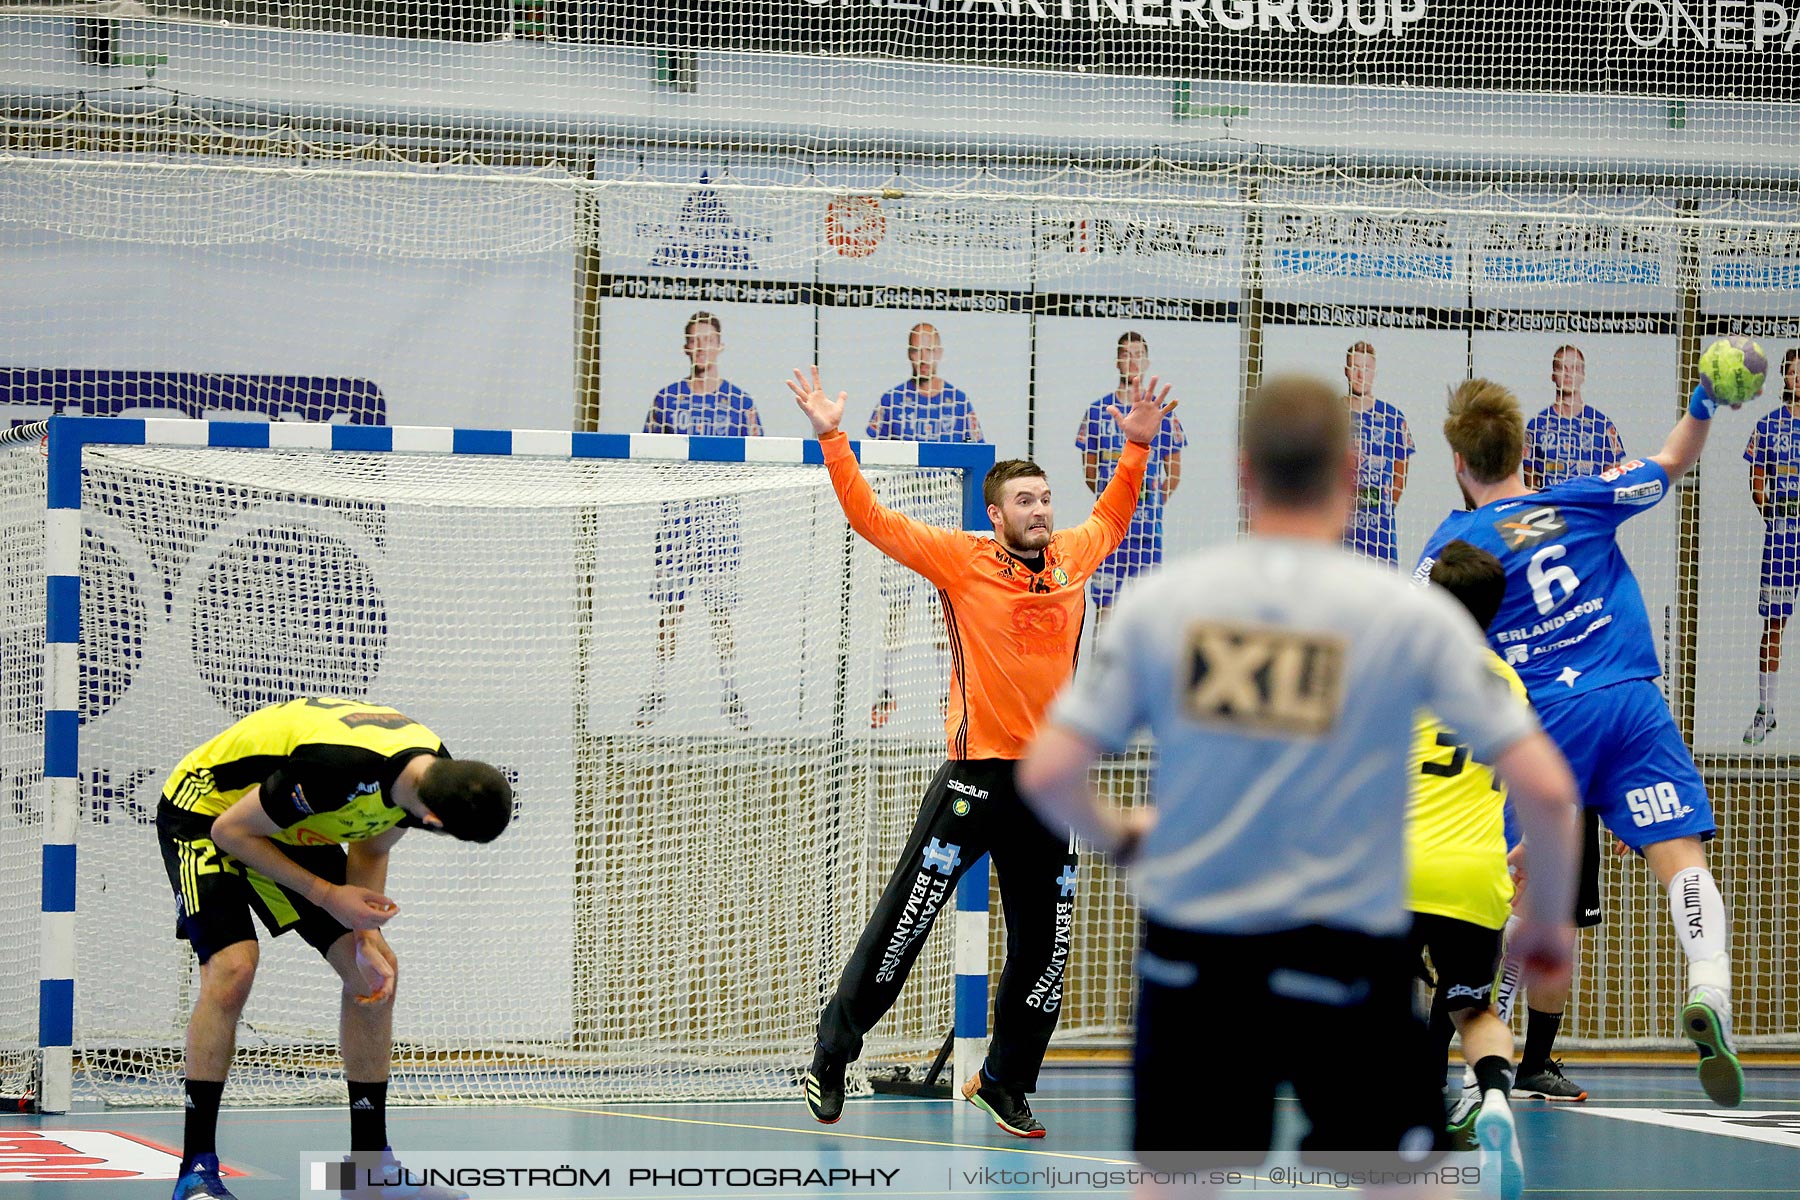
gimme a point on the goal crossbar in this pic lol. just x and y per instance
(68, 437)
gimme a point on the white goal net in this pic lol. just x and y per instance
(682, 881)
(508, 212)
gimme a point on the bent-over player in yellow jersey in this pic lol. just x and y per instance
(290, 814)
(1459, 887)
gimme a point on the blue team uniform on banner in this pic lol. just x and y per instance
(1383, 442)
(1559, 448)
(905, 414)
(1573, 626)
(700, 539)
(727, 412)
(1775, 448)
(1142, 548)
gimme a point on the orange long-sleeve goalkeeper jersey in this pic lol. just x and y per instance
(1014, 632)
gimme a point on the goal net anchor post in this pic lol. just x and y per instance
(66, 441)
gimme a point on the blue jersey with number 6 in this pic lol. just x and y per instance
(1573, 619)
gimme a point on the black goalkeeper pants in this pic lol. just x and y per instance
(971, 808)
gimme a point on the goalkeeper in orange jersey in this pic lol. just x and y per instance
(290, 814)
(1014, 606)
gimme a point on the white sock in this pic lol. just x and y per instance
(1765, 690)
(1506, 993)
(1698, 912)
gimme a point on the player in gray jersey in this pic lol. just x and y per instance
(1280, 677)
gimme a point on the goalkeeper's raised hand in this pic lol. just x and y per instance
(820, 408)
(1150, 404)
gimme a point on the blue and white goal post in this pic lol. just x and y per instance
(150, 667)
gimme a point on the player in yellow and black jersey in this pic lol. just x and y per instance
(1459, 885)
(290, 814)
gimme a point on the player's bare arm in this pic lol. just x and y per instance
(1759, 492)
(1055, 780)
(1171, 474)
(1149, 405)
(824, 412)
(244, 831)
(366, 866)
(1682, 449)
(1399, 483)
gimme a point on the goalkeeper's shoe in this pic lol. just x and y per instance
(1761, 726)
(824, 1087)
(1706, 1021)
(1006, 1105)
(384, 1177)
(202, 1181)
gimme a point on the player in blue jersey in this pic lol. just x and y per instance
(1569, 438)
(1100, 443)
(1383, 446)
(699, 542)
(1774, 457)
(1573, 626)
(923, 409)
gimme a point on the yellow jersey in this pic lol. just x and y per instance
(1456, 824)
(325, 765)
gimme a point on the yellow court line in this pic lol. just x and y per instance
(839, 1133)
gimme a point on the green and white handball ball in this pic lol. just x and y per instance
(1732, 370)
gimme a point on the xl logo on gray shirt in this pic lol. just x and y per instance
(1259, 679)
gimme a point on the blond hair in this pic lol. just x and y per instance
(1485, 426)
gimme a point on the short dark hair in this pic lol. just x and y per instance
(1359, 348)
(701, 318)
(471, 799)
(1486, 428)
(1473, 576)
(1129, 336)
(1003, 473)
(1787, 393)
(1296, 436)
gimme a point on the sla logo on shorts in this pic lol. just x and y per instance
(1654, 805)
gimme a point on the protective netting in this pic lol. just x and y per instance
(22, 752)
(683, 880)
(508, 214)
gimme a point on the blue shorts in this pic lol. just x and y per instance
(698, 546)
(1630, 763)
(1780, 573)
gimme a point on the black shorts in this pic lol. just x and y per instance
(1264, 1009)
(1465, 958)
(215, 893)
(1587, 882)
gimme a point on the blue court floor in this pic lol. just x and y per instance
(1644, 1132)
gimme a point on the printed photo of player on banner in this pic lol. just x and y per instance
(1190, 485)
(1750, 559)
(1395, 382)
